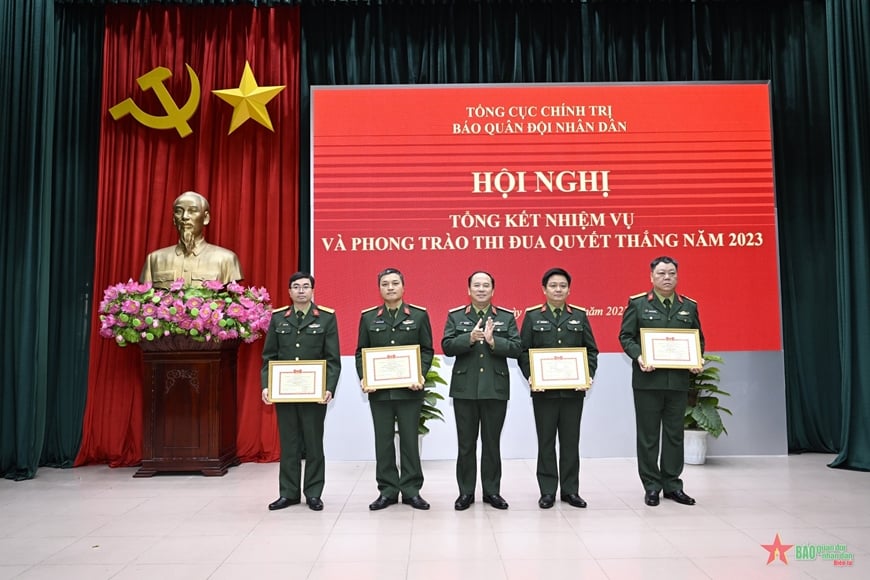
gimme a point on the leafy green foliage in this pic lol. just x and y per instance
(703, 410)
(431, 397)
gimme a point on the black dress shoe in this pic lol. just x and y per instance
(416, 502)
(463, 502)
(283, 502)
(680, 496)
(546, 502)
(574, 499)
(314, 503)
(382, 502)
(651, 497)
(496, 501)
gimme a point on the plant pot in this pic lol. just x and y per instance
(695, 446)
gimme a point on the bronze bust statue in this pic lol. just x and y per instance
(192, 258)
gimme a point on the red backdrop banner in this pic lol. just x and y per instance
(440, 181)
(250, 178)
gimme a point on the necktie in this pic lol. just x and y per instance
(557, 313)
(481, 313)
(393, 311)
(300, 315)
(667, 304)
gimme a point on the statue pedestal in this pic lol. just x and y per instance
(189, 403)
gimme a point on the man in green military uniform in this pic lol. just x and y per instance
(303, 331)
(660, 395)
(557, 324)
(482, 337)
(395, 323)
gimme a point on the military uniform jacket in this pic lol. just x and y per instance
(378, 328)
(542, 330)
(480, 372)
(645, 310)
(315, 337)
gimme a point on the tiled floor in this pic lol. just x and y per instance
(96, 522)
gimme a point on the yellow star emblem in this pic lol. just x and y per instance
(249, 100)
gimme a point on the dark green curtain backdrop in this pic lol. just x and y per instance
(814, 52)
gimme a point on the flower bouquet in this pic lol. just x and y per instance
(134, 313)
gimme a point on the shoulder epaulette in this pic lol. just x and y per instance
(508, 310)
(577, 307)
(364, 310)
(458, 308)
(423, 308)
(280, 309)
(688, 298)
(638, 295)
(326, 309)
(535, 307)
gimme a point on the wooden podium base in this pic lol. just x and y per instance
(189, 403)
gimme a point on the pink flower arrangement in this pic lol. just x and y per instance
(133, 312)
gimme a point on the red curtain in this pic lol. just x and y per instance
(249, 177)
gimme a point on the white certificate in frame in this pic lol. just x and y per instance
(559, 368)
(297, 381)
(672, 348)
(392, 367)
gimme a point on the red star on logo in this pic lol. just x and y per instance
(777, 550)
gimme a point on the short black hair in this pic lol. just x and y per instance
(387, 271)
(300, 276)
(473, 274)
(555, 272)
(663, 260)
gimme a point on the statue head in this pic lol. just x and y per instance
(190, 214)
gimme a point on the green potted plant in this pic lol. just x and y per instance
(703, 410)
(431, 397)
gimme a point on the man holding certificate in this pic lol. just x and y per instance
(482, 337)
(661, 332)
(301, 332)
(560, 368)
(393, 376)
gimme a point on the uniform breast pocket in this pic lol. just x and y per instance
(203, 275)
(163, 276)
(286, 334)
(684, 321)
(653, 315)
(408, 327)
(311, 331)
(377, 327)
(575, 331)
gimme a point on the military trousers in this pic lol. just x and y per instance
(659, 421)
(486, 418)
(558, 417)
(300, 426)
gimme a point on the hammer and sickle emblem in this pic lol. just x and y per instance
(174, 118)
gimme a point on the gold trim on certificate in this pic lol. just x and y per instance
(297, 381)
(673, 348)
(392, 367)
(559, 368)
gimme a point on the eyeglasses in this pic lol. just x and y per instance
(300, 287)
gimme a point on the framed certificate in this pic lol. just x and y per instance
(297, 381)
(673, 348)
(392, 367)
(559, 368)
